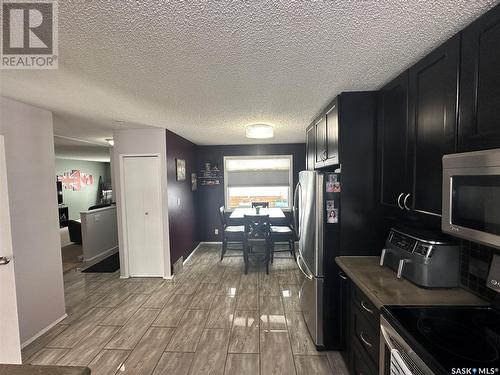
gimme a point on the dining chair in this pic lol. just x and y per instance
(282, 234)
(257, 231)
(260, 204)
(231, 234)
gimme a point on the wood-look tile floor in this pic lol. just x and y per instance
(211, 319)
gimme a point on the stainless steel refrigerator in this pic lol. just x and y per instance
(332, 218)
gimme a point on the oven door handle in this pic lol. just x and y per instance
(386, 337)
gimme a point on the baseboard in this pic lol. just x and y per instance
(192, 252)
(43, 331)
(104, 253)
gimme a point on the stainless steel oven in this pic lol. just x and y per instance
(471, 196)
(396, 356)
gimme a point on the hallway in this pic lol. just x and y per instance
(211, 319)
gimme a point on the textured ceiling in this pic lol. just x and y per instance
(204, 69)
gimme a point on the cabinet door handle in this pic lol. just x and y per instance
(405, 200)
(366, 308)
(361, 336)
(399, 201)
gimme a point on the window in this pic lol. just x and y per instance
(250, 179)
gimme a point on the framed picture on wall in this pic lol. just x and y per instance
(181, 169)
(194, 182)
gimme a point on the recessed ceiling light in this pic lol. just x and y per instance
(259, 131)
(119, 121)
(110, 141)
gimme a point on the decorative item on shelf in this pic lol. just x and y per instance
(211, 175)
(209, 182)
(194, 182)
(180, 169)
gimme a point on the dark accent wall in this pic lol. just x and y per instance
(210, 198)
(181, 217)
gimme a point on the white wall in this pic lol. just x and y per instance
(99, 232)
(29, 144)
(80, 200)
(141, 142)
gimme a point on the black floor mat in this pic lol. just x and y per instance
(109, 264)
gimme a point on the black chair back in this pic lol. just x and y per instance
(257, 227)
(260, 204)
(222, 217)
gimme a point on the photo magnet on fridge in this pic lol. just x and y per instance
(330, 205)
(331, 182)
(332, 216)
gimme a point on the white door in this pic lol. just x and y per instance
(10, 347)
(142, 199)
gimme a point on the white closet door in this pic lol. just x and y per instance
(142, 181)
(10, 347)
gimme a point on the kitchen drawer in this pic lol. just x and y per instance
(366, 307)
(366, 333)
(360, 363)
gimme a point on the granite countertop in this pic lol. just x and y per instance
(383, 288)
(42, 370)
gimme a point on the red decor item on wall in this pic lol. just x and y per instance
(75, 179)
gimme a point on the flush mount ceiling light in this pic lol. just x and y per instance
(110, 141)
(259, 131)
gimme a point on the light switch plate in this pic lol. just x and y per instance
(493, 281)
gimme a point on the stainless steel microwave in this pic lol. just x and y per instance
(471, 196)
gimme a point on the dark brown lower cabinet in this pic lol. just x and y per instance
(363, 336)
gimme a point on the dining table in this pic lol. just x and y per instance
(273, 212)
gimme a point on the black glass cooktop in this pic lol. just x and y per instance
(450, 337)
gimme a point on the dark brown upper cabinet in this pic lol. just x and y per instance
(327, 138)
(432, 123)
(310, 147)
(321, 142)
(393, 141)
(348, 110)
(418, 125)
(479, 119)
(332, 132)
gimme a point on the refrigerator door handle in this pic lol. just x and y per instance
(296, 208)
(299, 263)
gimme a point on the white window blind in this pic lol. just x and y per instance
(258, 178)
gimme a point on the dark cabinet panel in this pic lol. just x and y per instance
(345, 316)
(432, 123)
(393, 131)
(310, 148)
(321, 151)
(332, 132)
(479, 120)
(364, 319)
